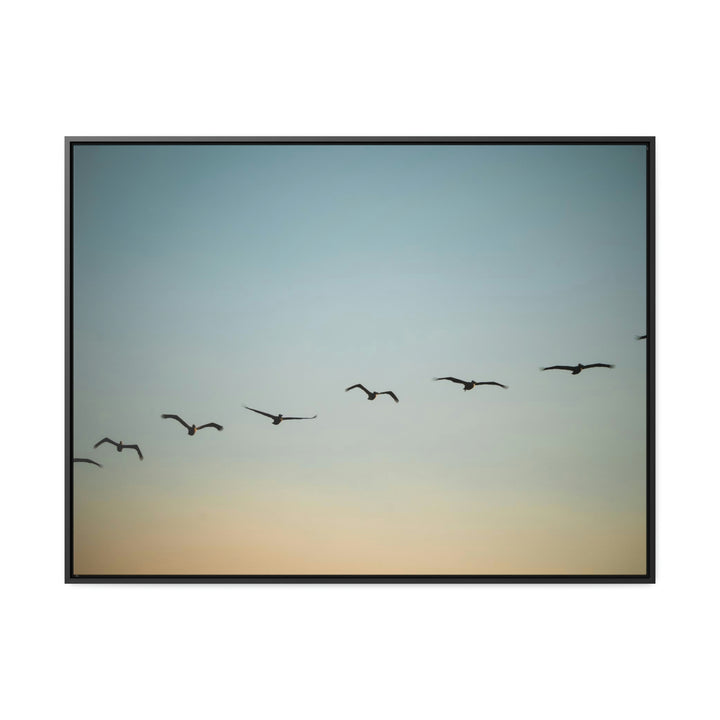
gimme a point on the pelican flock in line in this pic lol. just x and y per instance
(192, 429)
(277, 419)
(470, 384)
(577, 369)
(87, 460)
(373, 395)
(120, 446)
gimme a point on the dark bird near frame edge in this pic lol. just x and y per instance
(577, 369)
(86, 460)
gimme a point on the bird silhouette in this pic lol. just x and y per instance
(120, 446)
(577, 369)
(470, 384)
(373, 395)
(641, 337)
(192, 429)
(87, 460)
(277, 419)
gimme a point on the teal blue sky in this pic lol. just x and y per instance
(209, 277)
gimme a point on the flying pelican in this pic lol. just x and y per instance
(373, 395)
(470, 384)
(641, 337)
(277, 419)
(87, 460)
(192, 429)
(577, 369)
(120, 446)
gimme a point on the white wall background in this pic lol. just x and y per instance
(321, 68)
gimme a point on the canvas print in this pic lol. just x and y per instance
(358, 359)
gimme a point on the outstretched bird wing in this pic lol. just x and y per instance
(261, 412)
(133, 447)
(452, 379)
(300, 418)
(598, 365)
(492, 383)
(87, 460)
(362, 387)
(105, 440)
(390, 393)
(215, 425)
(165, 416)
(560, 367)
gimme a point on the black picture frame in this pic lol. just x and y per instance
(648, 577)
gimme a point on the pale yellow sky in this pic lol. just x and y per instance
(267, 525)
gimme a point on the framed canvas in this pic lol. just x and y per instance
(360, 359)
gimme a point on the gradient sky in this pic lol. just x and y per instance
(209, 277)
